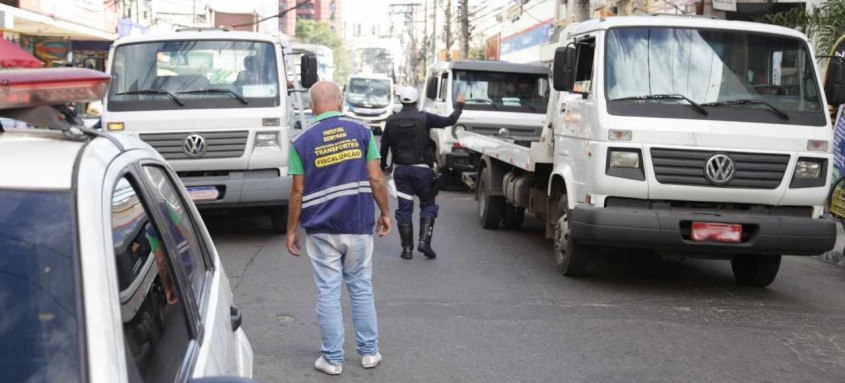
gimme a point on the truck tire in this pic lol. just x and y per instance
(572, 258)
(755, 270)
(490, 208)
(279, 219)
(513, 217)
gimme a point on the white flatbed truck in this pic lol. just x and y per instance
(685, 135)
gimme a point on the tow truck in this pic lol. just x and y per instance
(688, 136)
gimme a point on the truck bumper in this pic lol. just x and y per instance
(670, 230)
(259, 188)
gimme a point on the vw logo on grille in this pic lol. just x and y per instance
(194, 146)
(720, 169)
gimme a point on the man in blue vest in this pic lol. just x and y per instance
(406, 136)
(336, 177)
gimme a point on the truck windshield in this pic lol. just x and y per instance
(512, 92)
(194, 75)
(41, 331)
(713, 68)
(368, 93)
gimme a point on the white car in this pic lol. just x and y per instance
(108, 272)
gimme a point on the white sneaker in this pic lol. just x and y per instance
(323, 365)
(370, 361)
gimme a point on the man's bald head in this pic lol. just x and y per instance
(325, 97)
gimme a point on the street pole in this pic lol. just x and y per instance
(448, 30)
(425, 41)
(434, 31)
(463, 8)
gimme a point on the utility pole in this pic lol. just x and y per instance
(447, 38)
(409, 11)
(463, 15)
(434, 30)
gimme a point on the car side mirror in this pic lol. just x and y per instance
(563, 76)
(308, 71)
(834, 89)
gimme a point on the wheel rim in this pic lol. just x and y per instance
(561, 238)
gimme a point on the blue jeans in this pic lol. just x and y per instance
(346, 258)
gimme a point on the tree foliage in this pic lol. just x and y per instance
(476, 53)
(823, 27)
(312, 32)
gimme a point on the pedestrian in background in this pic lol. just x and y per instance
(336, 177)
(406, 135)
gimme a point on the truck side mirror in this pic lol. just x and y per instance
(563, 76)
(431, 88)
(834, 89)
(308, 71)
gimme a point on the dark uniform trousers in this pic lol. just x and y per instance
(415, 180)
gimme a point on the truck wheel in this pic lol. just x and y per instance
(513, 217)
(279, 219)
(572, 258)
(755, 270)
(490, 208)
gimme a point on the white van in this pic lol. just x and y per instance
(216, 105)
(369, 98)
(499, 95)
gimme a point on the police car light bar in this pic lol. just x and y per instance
(24, 88)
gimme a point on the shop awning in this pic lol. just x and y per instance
(36, 24)
(12, 56)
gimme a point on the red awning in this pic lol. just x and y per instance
(13, 56)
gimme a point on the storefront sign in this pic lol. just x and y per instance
(51, 49)
(534, 36)
(725, 5)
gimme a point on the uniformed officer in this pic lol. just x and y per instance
(406, 135)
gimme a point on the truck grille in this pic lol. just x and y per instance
(686, 167)
(515, 131)
(230, 144)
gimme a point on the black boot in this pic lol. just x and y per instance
(426, 229)
(406, 233)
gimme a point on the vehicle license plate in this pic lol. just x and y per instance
(721, 232)
(203, 193)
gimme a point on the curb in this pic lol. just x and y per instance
(835, 256)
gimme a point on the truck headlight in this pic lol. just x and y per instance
(806, 168)
(809, 173)
(266, 140)
(624, 159)
(625, 163)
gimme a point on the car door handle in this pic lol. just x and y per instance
(236, 317)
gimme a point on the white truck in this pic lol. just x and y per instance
(498, 95)
(369, 97)
(689, 136)
(218, 105)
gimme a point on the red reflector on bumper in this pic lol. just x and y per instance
(721, 232)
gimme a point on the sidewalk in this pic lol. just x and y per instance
(835, 256)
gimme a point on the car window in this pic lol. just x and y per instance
(41, 322)
(189, 254)
(155, 324)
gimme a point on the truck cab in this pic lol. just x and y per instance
(501, 98)
(216, 105)
(369, 98)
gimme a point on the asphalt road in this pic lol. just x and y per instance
(491, 308)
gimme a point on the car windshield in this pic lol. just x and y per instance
(513, 92)
(41, 324)
(198, 74)
(711, 66)
(368, 93)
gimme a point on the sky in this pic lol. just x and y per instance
(361, 10)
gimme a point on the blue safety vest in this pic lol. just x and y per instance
(337, 197)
